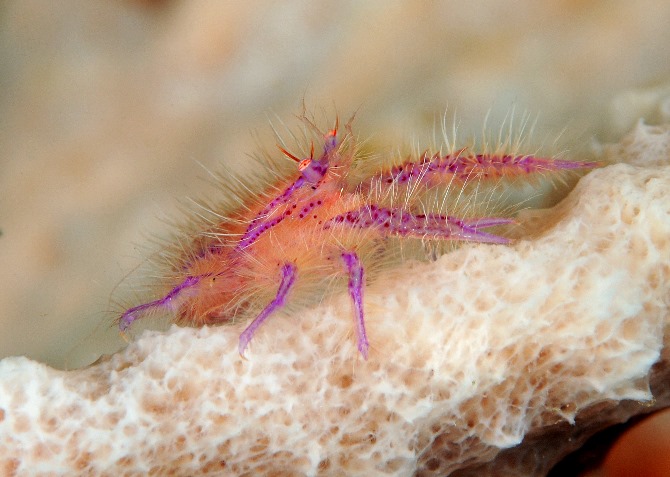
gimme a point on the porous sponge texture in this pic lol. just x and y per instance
(469, 355)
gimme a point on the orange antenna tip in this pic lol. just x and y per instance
(288, 154)
(333, 132)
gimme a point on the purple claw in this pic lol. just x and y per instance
(467, 167)
(356, 283)
(288, 278)
(404, 223)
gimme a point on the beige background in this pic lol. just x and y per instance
(107, 106)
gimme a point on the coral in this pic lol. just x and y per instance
(492, 357)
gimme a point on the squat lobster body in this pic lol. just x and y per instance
(322, 226)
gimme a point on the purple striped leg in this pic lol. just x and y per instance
(169, 302)
(288, 273)
(356, 283)
(466, 166)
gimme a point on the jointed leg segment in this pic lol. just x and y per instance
(288, 278)
(466, 166)
(356, 284)
(166, 302)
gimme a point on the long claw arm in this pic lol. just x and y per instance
(465, 167)
(356, 285)
(397, 221)
(288, 278)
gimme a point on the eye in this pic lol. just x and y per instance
(302, 164)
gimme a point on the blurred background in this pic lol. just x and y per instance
(106, 108)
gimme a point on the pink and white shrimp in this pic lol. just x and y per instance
(324, 226)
